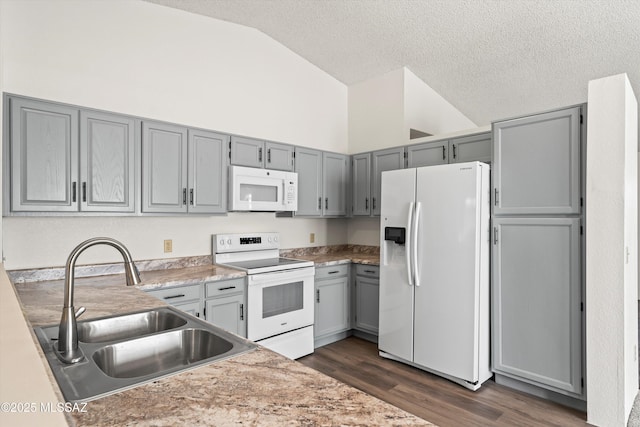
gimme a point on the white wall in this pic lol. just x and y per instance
(611, 246)
(376, 113)
(152, 61)
(426, 110)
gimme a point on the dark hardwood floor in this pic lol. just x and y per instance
(356, 362)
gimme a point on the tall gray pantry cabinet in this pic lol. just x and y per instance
(537, 240)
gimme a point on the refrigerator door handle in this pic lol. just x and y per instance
(409, 244)
(414, 243)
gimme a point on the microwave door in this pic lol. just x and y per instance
(258, 194)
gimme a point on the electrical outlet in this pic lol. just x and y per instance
(312, 237)
(168, 246)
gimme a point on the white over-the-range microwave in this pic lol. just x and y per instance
(262, 190)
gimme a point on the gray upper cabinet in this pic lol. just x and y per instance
(184, 170)
(537, 164)
(334, 183)
(309, 169)
(470, 148)
(108, 162)
(164, 168)
(260, 154)
(427, 154)
(536, 301)
(207, 172)
(44, 156)
(361, 182)
(67, 159)
(278, 156)
(247, 152)
(383, 160)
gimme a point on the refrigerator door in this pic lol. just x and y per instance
(395, 334)
(447, 299)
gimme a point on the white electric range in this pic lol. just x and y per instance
(280, 307)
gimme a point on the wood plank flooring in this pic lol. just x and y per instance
(356, 362)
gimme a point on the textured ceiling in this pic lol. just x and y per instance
(491, 59)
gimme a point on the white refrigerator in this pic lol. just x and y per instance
(434, 270)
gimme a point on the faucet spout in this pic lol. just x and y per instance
(67, 349)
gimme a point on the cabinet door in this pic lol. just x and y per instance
(164, 168)
(228, 313)
(332, 306)
(108, 160)
(536, 307)
(247, 152)
(334, 184)
(44, 156)
(427, 154)
(470, 148)
(207, 172)
(536, 167)
(278, 156)
(367, 303)
(383, 160)
(193, 308)
(309, 169)
(361, 173)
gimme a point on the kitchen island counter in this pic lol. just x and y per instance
(257, 388)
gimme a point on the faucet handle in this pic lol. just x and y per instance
(80, 311)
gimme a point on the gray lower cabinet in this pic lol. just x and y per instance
(225, 305)
(183, 170)
(361, 184)
(332, 303)
(261, 154)
(536, 166)
(187, 298)
(65, 159)
(367, 296)
(536, 302)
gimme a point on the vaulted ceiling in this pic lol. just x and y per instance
(491, 59)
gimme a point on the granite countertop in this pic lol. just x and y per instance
(257, 388)
(334, 255)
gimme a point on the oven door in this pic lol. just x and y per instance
(279, 302)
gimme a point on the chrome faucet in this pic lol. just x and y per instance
(67, 349)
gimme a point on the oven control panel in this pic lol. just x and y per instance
(222, 243)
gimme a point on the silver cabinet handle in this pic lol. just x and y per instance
(366, 203)
(84, 191)
(454, 151)
(260, 154)
(495, 196)
(73, 191)
(319, 203)
(374, 203)
(269, 155)
(318, 295)
(227, 288)
(326, 203)
(495, 235)
(241, 311)
(184, 196)
(191, 197)
(174, 296)
(444, 153)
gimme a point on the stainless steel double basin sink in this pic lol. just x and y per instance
(128, 350)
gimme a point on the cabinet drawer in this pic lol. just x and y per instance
(367, 270)
(332, 271)
(224, 287)
(178, 294)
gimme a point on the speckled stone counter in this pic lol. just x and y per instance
(260, 388)
(333, 255)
